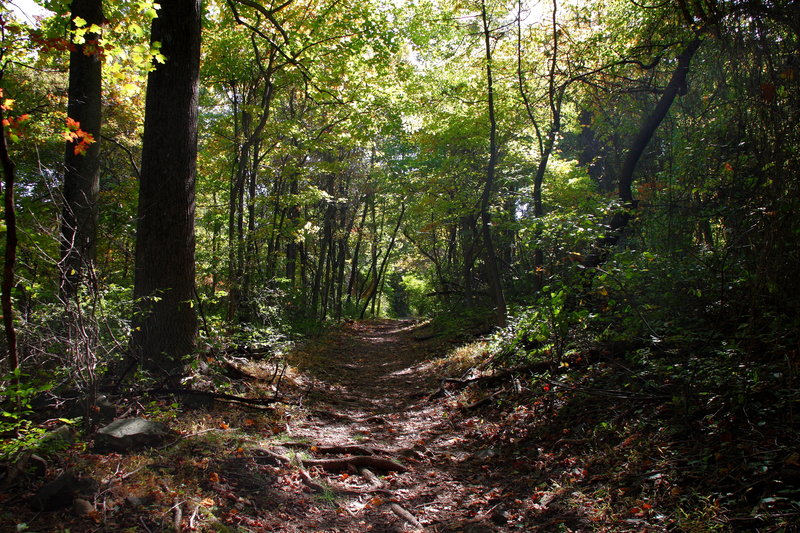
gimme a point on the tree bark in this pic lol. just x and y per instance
(9, 173)
(166, 325)
(82, 170)
(676, 85)
(381, 271)
(492, 269)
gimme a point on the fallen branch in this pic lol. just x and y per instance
(448, 384)
(483, 401)
(220, 396)
(343, 464)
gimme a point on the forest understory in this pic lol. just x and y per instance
(385, 425)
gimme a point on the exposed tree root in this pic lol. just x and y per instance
(309, 482)
(405, 515)
(343, 464)
(374, 481)
(351, 449)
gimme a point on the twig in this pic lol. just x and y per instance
(193, 517)
(141, 519)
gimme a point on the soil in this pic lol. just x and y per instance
(367, 438)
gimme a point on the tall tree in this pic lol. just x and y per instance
(165, 244)
(676, 86)
(82, 159)
(492, 268)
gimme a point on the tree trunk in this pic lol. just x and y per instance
(380, 272)
(9, 173)
(351, 284)
(166, 325)
(676, 85)
(492, 269)
(82, 170)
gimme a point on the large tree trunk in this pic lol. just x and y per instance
(82, 170)
(10, 257)
(676, 85)
(165, 242)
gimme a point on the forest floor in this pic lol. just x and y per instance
(363, 443)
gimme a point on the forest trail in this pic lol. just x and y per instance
(372, 385)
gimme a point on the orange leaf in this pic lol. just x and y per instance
(207, 502)
(214, 477)
(376, 501)
(223, 425)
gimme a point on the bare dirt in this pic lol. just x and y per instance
(372, 384)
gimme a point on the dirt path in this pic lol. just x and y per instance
(373, 382)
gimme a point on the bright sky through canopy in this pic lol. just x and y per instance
(27, 10)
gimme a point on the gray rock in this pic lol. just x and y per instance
(82, 507)
(62, 491)
(130, 434)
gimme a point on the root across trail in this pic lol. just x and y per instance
(364, 446)
(371, 386)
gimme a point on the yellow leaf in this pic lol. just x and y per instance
(207, 502)
(129, 89)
